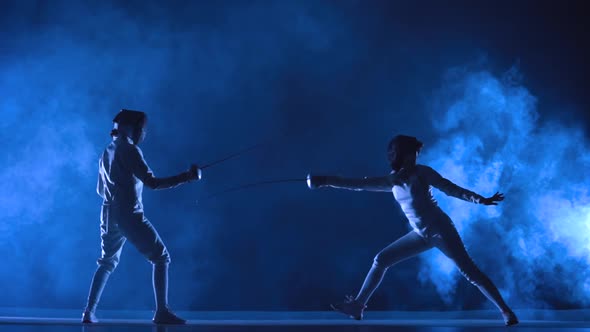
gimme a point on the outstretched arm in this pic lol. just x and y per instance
(140, 169)
(381, 183)
(436, 180)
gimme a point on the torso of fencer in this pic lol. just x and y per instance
(120, 190)
(413, 191)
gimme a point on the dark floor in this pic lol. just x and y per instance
(43, 320)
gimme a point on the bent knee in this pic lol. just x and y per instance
(160, 257)
(380, 261)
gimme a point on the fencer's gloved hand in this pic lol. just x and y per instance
(316, 181)
(195, 173)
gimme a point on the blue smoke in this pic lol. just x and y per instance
(325, 85)
(208, 77)
(491, 139)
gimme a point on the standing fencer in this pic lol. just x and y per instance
(121, 176)
(411, 185)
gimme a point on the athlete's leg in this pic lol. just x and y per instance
(146, 239)
(112, 242)
(405, 247)
(142, 234)
(450, 243)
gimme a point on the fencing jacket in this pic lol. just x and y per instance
(412, 188)
(122, 173)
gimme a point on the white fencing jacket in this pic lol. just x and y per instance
(123, 171)
(412, 188)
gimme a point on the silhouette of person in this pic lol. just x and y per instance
(122, 174)
(411, 185)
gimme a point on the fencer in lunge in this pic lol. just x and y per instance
(411, 185)
(122, 174)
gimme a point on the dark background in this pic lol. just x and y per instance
(497, 90)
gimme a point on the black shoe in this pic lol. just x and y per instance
(350, 307)
(165, 316)
(88, 317)
(510, 318)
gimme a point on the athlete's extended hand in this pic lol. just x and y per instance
(195, 172)
(498, 197)
(316, 181)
